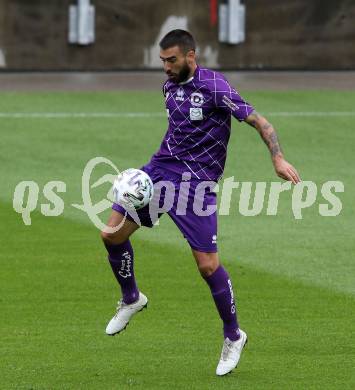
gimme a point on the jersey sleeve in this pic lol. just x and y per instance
(229, 100)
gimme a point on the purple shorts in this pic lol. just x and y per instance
(191, 204)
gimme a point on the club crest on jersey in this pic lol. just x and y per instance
(197, 99)
(196, 114)
(180, 95)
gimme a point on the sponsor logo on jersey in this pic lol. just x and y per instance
(197, 99)
(226, 100)
(180, 95)
(196, 114)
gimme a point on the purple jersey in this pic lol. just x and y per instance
(199, 113)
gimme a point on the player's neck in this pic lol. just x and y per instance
(192, 70)
(190, 76)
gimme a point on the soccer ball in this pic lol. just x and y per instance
(133, 189)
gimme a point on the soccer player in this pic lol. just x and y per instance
(199, 104)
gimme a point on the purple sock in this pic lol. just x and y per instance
(121, 261)
(222, 292)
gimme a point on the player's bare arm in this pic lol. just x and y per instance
(268, 134)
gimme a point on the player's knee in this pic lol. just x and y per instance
(208, 266)
(207, 263)
(206, 270)
(106, 237)
(112, 238)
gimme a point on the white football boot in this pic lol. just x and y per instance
(124, 314)
(230, 355)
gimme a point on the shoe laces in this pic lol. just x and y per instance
(120, 304)
(227, 348)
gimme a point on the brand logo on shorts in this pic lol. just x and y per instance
(180, 95)
(214, 239)
(196, 114)
(196, 99)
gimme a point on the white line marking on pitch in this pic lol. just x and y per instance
(59, 115)
(81, 114)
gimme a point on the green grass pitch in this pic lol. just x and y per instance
(294, 279)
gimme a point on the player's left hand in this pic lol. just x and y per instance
(285, 170)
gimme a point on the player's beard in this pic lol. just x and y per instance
(183, 74)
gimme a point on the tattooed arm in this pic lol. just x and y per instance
(282, 168)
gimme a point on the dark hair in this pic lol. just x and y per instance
(180, 38)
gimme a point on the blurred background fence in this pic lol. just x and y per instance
(279, 34)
